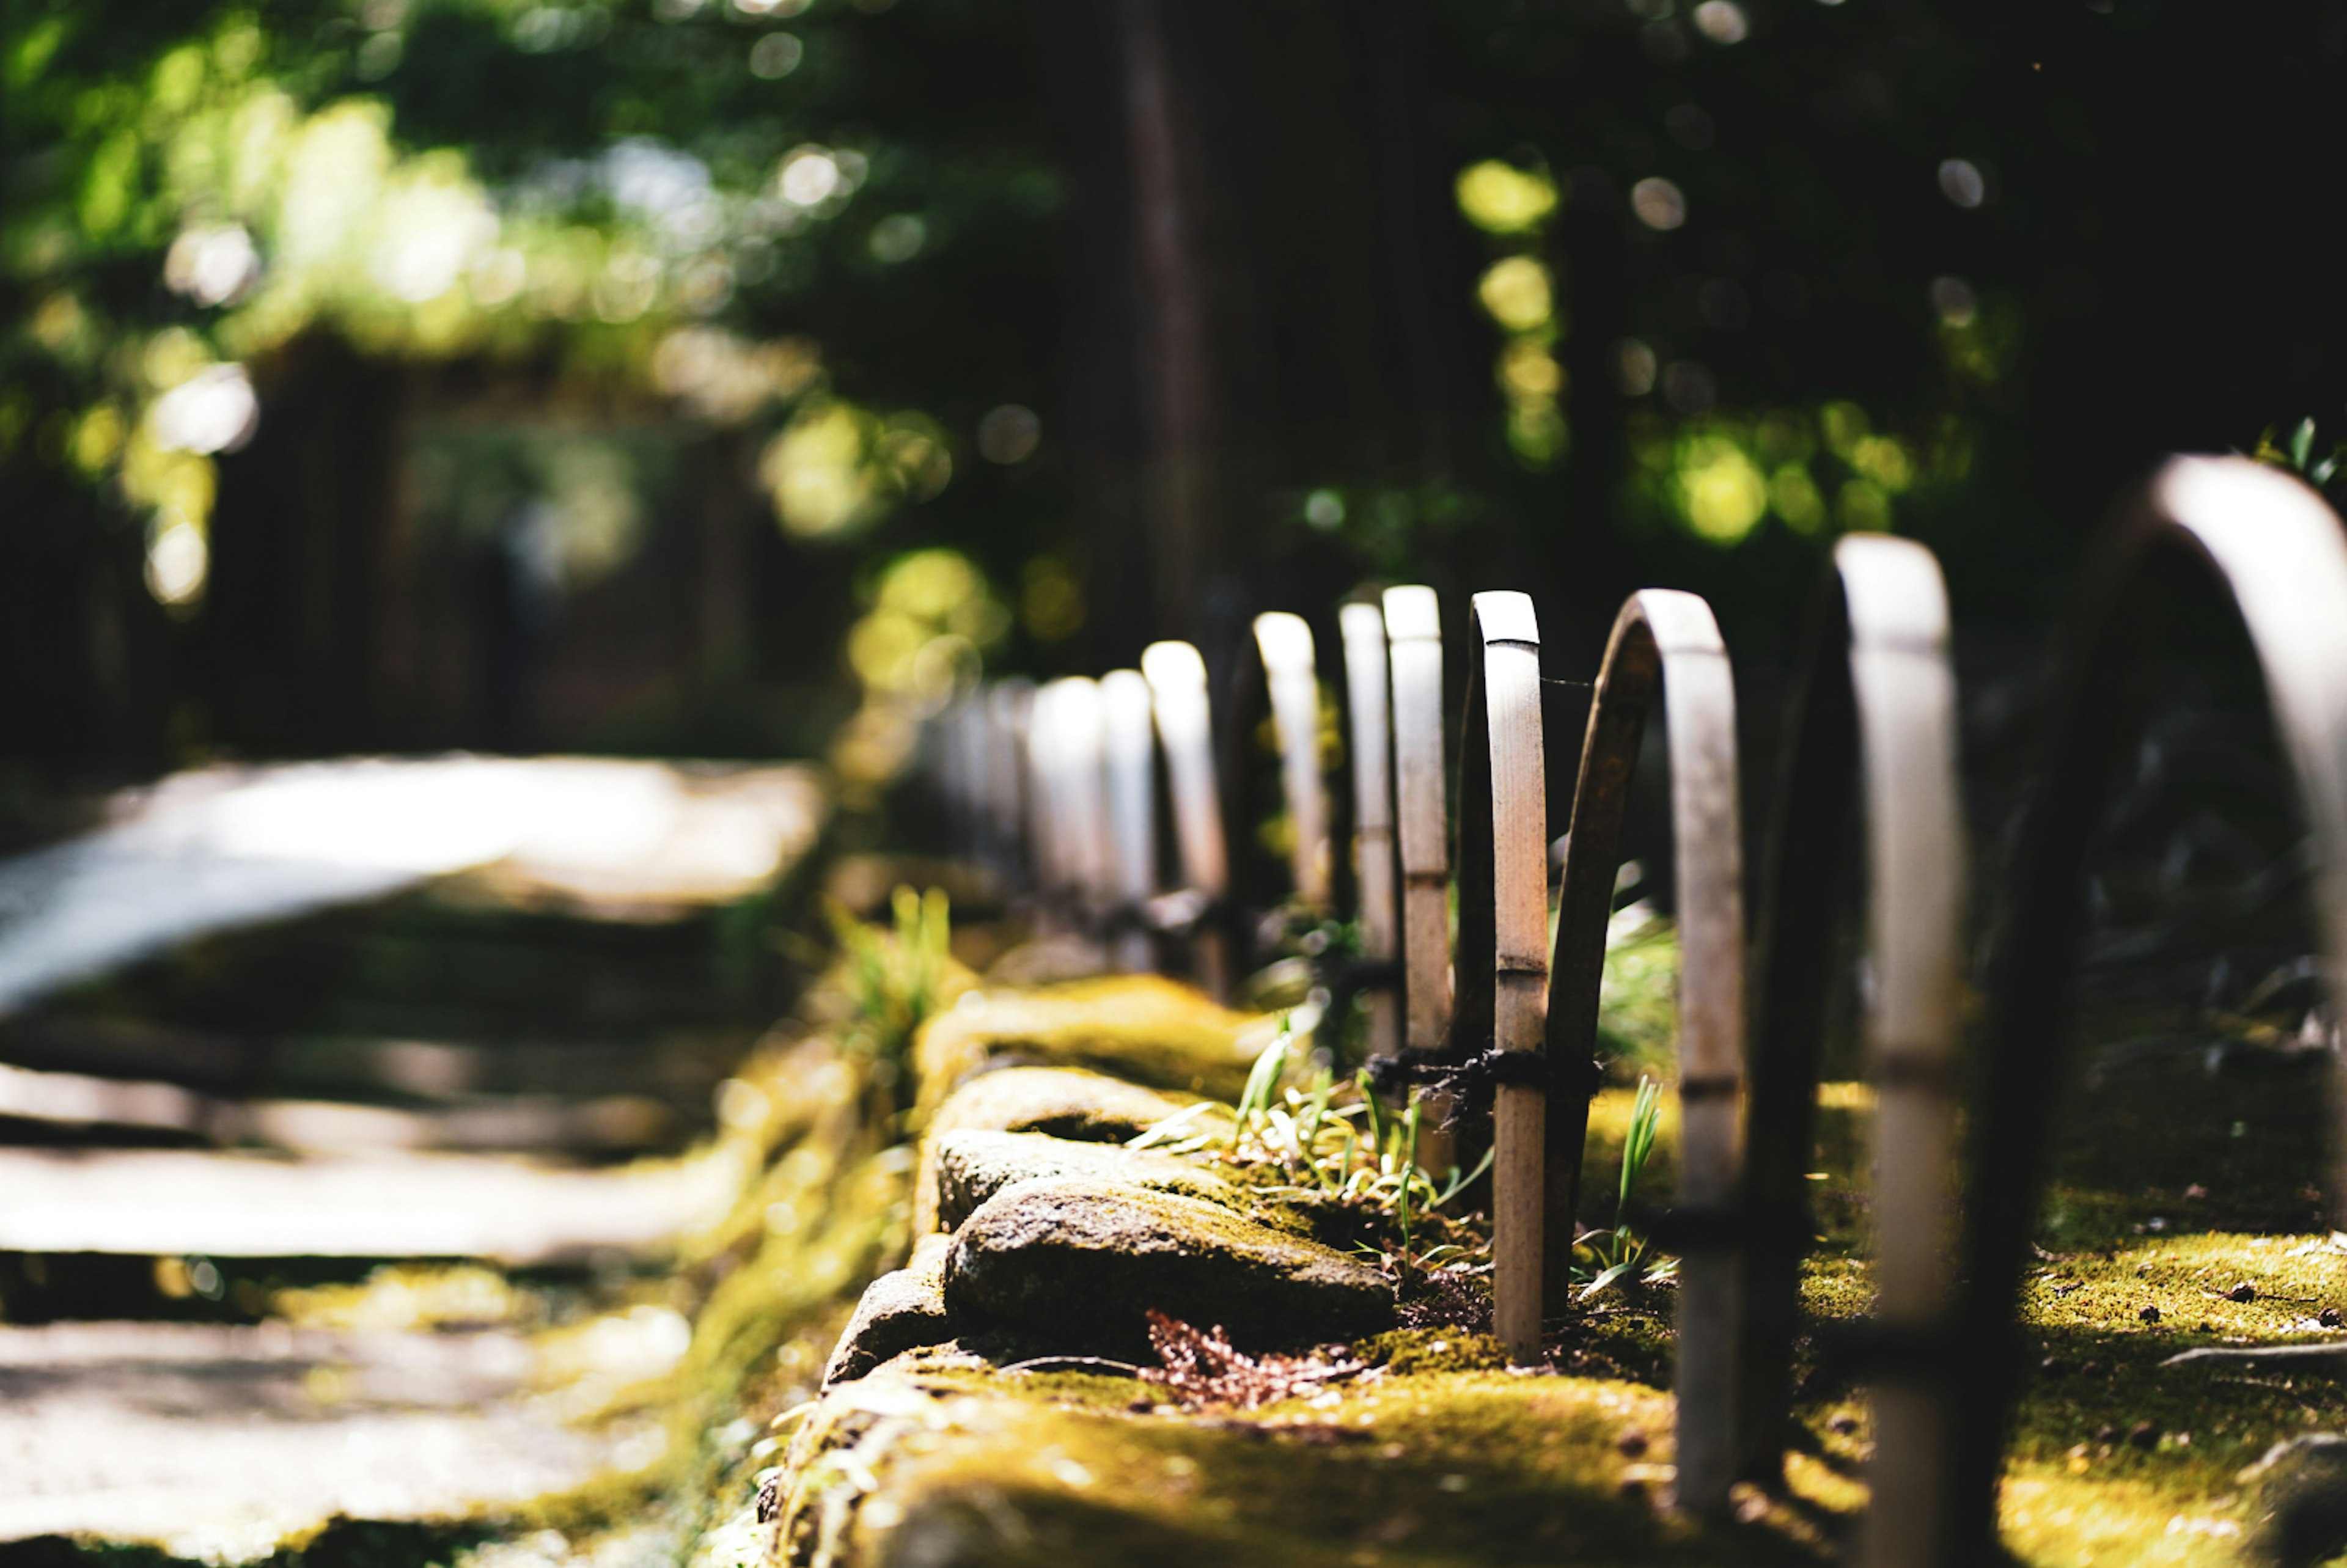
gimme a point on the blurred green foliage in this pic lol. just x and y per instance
(1753, 272)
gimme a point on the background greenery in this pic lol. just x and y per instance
(1578, 294)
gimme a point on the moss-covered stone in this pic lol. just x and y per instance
(1142, 1028)
(972, 1166)
(927, 1463)
(901, 1311)
(1059, 1103)
(1063, 1102)
(1084, 1262)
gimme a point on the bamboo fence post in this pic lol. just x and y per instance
(1128, 754)
(2276, 550)
(1078, 808)
(1905, 689)
(1008, 704)
(1177, 686)
(1046, 836)
(1284, 641)
(952, 740)
(1414, 628)
(1414, 640)
(1363, 630)
(1664, 642)
(1876, 717)
(1503, 946)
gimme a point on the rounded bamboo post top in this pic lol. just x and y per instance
(1066, 735)
(1665, 647)
(1128, 754)
(1414, 650)
(1284, 641)
(1412, 612)
(1503, 735)
(1176, 674)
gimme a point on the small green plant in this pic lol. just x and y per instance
(2298, 454)
(895, 978)
(1332, 1140)
(1619, 1252)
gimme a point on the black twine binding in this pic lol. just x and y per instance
(1472, 1083)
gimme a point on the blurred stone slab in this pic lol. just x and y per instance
(218, 1442)
(168, 1202)
(228, 847)
(611, 1123)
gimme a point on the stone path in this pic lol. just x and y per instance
(535, 972)
(168, 1203)
(217, 1443)
(226, 847)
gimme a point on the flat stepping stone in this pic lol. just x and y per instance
(1082, 1264)
(229, 847)
(220, 1443)
(972, 1166)
(166, 1203)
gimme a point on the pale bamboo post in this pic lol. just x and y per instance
(1414, 639)
(1665, 641)
(1905, 689)
(1177, 686)
(1363, 630)
(1046, 839)
(2276, 550)
(1077, 827)
(1128, 757)
(1876, 709)
(1286, 643)
(1503, 839)
(1082, 734)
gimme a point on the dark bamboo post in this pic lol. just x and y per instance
(1502, 965)
(1363, 630)
(2276, 550)
(1665, 640)
(1875, 712)
(1177, 686)
(1007, 703)
(1293, 683)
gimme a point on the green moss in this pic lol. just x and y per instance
(1449, 1467)
(1142, 1028)
(1408, 1350)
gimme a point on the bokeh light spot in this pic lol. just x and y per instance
(775, 56)
(1961, 182)
(1659, 204)
(1517, 294)
(898, 237)
(1954, 301)
(1008, 434)
(1634, 367)
(1722, 22)
(1501, 198)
